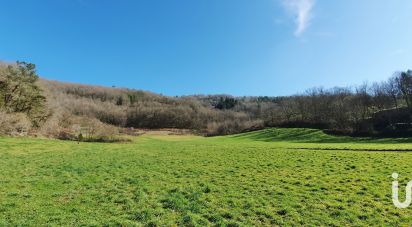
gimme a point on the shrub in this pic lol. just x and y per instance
(93, 130)
(58, 126)
(16, 124)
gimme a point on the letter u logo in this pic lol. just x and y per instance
(395, 196)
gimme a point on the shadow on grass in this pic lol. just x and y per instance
(304, 135)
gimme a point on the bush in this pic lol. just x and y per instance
(65, 126)
(58, 126)
(93, 130)
(17, 124)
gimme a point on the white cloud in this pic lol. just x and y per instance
(302, 11)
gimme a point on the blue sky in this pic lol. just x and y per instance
(239, 47)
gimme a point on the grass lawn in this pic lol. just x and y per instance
(270, 177)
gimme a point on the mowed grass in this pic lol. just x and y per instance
(282, 177)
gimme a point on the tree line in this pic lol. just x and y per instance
(29, 105)
(383, 108)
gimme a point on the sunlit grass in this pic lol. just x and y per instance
(250, 179)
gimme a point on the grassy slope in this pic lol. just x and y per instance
(256, 178)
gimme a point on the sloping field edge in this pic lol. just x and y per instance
(349, 149)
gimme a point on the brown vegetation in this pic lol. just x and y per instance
(95, 113)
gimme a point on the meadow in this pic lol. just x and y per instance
(272, 177)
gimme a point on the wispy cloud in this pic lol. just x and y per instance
(398, 52)
(302, 11)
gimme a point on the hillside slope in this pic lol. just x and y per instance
(304, 138)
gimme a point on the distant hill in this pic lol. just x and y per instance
(68, 110)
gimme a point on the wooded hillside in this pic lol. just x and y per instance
(74, 111)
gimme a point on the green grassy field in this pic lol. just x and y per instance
(269, 177)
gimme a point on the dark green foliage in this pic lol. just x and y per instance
(80, 137)
(120, 101)
(226, 103)
(19, 92)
